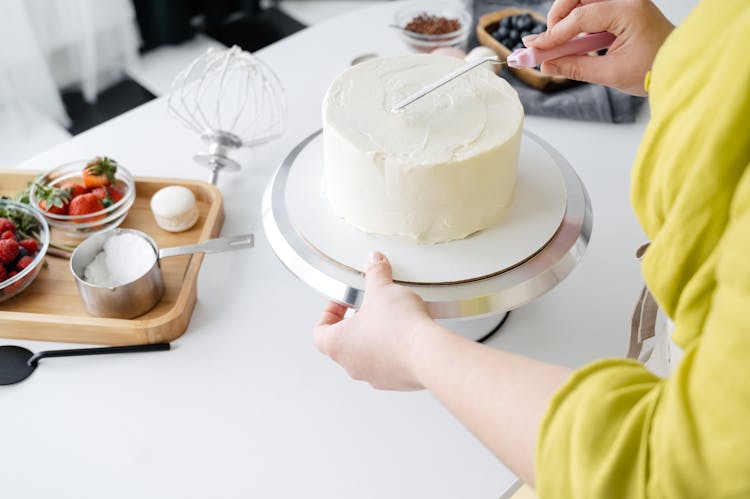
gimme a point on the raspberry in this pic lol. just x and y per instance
(30, 245)
(15, 287)
(6, 224)
(24, 262)
(7, 235)
(8, 250)
(3, 273)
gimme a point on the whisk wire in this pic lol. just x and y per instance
(231, 99)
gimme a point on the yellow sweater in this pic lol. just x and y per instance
(615, 430)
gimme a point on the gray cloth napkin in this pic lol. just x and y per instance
(586, 102)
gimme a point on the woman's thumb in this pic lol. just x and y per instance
(378, 271)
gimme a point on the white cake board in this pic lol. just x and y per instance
(501, 290)
(535, 214)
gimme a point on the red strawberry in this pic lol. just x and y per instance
(7, 235)
(8, 250)
(56, 210)
(86, 204)
(6, 224)
(120, 186)
(99, 172)
(52, 199)
(24, 262)
(30, 245)
(115, 194)
(109, 195)
(74, 188)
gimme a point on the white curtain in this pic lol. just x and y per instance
(46, 45)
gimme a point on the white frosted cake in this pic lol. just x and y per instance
(440, 169)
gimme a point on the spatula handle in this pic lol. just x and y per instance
(73, 352)
(582, 44)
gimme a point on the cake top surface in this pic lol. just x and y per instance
(468, 115)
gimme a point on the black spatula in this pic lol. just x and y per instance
(17, 363)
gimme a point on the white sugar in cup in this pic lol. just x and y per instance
(123, 258)
(118, 274)
(120, 288)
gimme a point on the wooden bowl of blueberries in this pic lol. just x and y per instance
(503, 30)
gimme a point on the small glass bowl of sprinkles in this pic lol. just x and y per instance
(427, 25)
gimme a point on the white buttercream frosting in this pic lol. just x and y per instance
(440, 169)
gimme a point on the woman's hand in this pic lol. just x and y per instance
(393, 344)
(379, 343)
(639, 26)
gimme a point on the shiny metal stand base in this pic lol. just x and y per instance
(490, 296)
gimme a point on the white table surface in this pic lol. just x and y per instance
(244, 406)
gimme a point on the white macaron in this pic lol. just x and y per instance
(174, 208)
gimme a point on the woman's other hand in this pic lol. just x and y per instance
(639, 26)
(378, 344)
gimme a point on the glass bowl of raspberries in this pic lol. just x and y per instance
(24, 239)
(84, 197)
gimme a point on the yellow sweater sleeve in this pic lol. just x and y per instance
(614, 429)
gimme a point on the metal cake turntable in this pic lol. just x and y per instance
(536, 245)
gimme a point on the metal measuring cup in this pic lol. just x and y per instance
(137, 297)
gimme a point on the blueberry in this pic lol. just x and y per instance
(508, 42)
(506, 22)
(523, 23)
(539, 28)
(513, 34)
(524, 34)
(21, 253)
(501, 33)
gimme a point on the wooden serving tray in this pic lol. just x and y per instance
(532, 77)
(50, 308)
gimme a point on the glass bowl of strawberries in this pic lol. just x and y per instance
(84, 197)
(24, 239)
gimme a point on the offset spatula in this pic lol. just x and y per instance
(520, 58)
(17, 363)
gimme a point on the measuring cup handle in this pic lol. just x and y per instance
(211, 246)
(73, 352)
